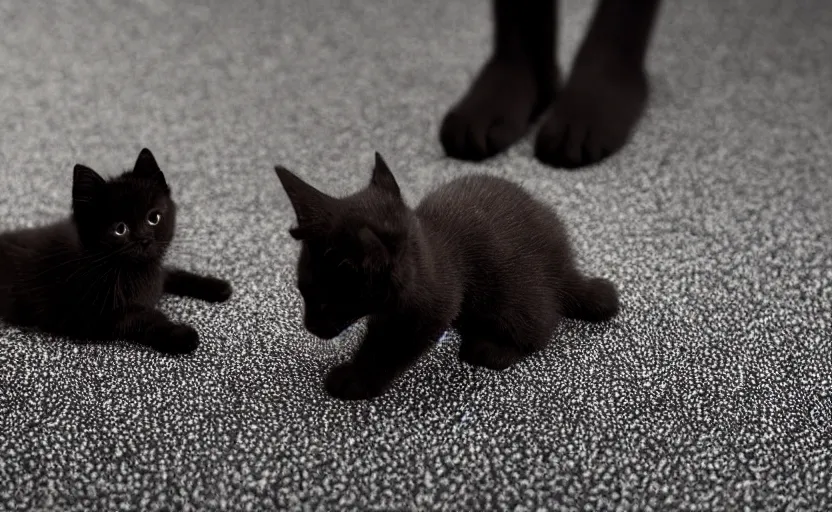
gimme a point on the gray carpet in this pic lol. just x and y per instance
(711, 391)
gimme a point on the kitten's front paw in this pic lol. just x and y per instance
(217, 290)
(348, 383)
(178, 339)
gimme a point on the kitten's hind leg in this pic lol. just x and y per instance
(187, 284)
(591, 300)
(488, 353)
(521, 327)
(152, 328)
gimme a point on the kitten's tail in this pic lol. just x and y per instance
(591, 300)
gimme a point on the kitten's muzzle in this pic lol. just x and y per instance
(145, 249)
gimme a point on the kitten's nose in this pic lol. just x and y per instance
(145, 242)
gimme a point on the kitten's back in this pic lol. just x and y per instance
(485, 209)
(508, 247)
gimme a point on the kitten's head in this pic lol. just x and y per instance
(352, 248)
(131, 217)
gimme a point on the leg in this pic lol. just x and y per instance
(187, 284)
(392, 344)
(499, 341)
(491, 353)
(513, 88)
(152, 328)
(607, 90)
(591, 300)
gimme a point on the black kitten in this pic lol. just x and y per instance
(590, 118)
(98, 274)
(478, 254)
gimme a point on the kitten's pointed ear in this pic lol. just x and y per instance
(310, 204)
(146, 167)
(383, 178)
(86, 185)
(376, 256)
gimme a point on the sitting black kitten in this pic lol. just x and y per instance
(98, 274)
(478, 254)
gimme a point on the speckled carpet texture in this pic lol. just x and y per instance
(711, 391)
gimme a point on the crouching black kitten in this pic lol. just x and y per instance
(478, 254)
(98, 274)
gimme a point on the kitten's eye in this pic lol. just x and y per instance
(154, 218)
(120, 229)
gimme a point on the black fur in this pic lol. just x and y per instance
(98, 274)
(590, 118)
(478, 254)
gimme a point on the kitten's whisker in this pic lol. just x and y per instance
(97, 263)
(51, 269)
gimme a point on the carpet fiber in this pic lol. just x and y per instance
(711, 391)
